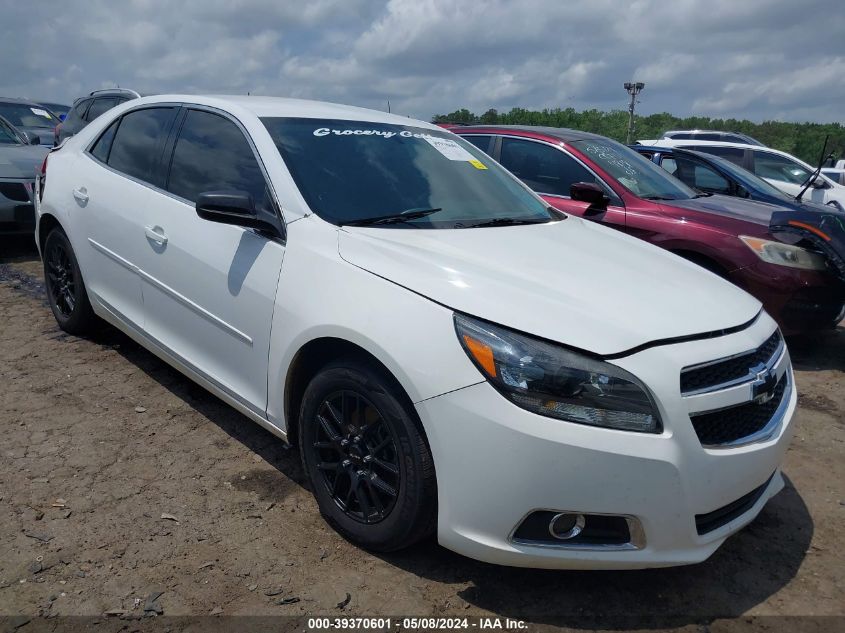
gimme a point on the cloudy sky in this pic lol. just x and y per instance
(757, 59)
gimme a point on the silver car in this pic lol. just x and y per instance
(19, 163)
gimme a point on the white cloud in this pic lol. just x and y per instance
(751, 58)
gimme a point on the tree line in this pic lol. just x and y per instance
(804, 140)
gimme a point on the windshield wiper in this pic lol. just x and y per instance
(507, 222)
(703, 194)
(812, 177)
(658, 198)
(394, 218)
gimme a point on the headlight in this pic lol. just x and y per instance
(550, 380)
(784, 254)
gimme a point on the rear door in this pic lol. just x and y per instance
(112, 195)
(209, 289)
(550, 172)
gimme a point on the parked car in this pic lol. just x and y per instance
(783, 170)
(385, 295)
(57, 108)
(602, 180)
(707, 135)
(836, 175)
(86, 109)
(19, 163)
(712, 174)
(30, 118)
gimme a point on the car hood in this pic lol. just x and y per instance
(754, 211)
(21, 161)
(571, 281)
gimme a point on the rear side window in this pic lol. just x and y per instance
(697, 174)
(733, 154)
(212, 154)
(776, 167)
(101, 105)
(482, 142)
(138, 140)
(543, 168)
(101, 148)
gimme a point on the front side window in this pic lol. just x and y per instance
(636, 173)
(212, 154)
(138, 140)
(354, 171)
(23, 115)
(698, 174)
(776, 167)
(481, 141)
(543, 168)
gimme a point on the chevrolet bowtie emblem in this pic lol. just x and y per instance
(763, 386)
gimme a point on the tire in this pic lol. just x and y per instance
(65, 287)
(358, 435)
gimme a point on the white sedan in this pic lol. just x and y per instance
(450, 354)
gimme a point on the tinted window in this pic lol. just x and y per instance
(698, 174)
(99, 106)
(79, 108)
(708, 137)
(681, 136)
(356, 170)
(482, 142)
(733, 154)
(543, 168)
(138, 140)
(24, 115)
(212, 154)
(103, 145)
(777, 167)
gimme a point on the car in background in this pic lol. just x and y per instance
(784, 171)
(604, 181)
(30, 118)
(19, 163)
(58, 109)
(712, 174)
(836, 175)
(86, 109)
(707, 135)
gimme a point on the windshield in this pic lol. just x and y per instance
(353, 171)
(745, 176)
(22, 115)
(633, 171)
(7, 135)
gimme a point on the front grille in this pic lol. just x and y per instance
(735, 423)
(731, 369)
(705, 523)
(14, 191)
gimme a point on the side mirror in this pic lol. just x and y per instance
(31, 139)
(589, 192)
(232, 207)
(819, 183)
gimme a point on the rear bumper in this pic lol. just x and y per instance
(497, 463)
(801, 301)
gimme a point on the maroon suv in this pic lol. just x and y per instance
(602, 180)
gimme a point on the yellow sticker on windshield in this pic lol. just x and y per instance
(477, 164)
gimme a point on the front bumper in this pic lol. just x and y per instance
(801, 301)
(496, 463)
(17, 213)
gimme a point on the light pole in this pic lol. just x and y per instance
(633, 90)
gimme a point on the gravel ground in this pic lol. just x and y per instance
(120, 480)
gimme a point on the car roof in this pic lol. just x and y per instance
(285, 107)
(566, 135)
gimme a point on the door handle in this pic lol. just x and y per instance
(155, 234)
(81, 195)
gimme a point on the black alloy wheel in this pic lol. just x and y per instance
(358, 456)
(365, 454)
(66, 292)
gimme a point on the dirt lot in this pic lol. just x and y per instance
(120, 478)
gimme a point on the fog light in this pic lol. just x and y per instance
(566, 526)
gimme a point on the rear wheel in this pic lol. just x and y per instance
(369, 466)
(65, 288)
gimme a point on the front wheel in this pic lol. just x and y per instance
(369, 466)
(65, 288)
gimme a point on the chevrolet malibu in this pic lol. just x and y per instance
(450, 354)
